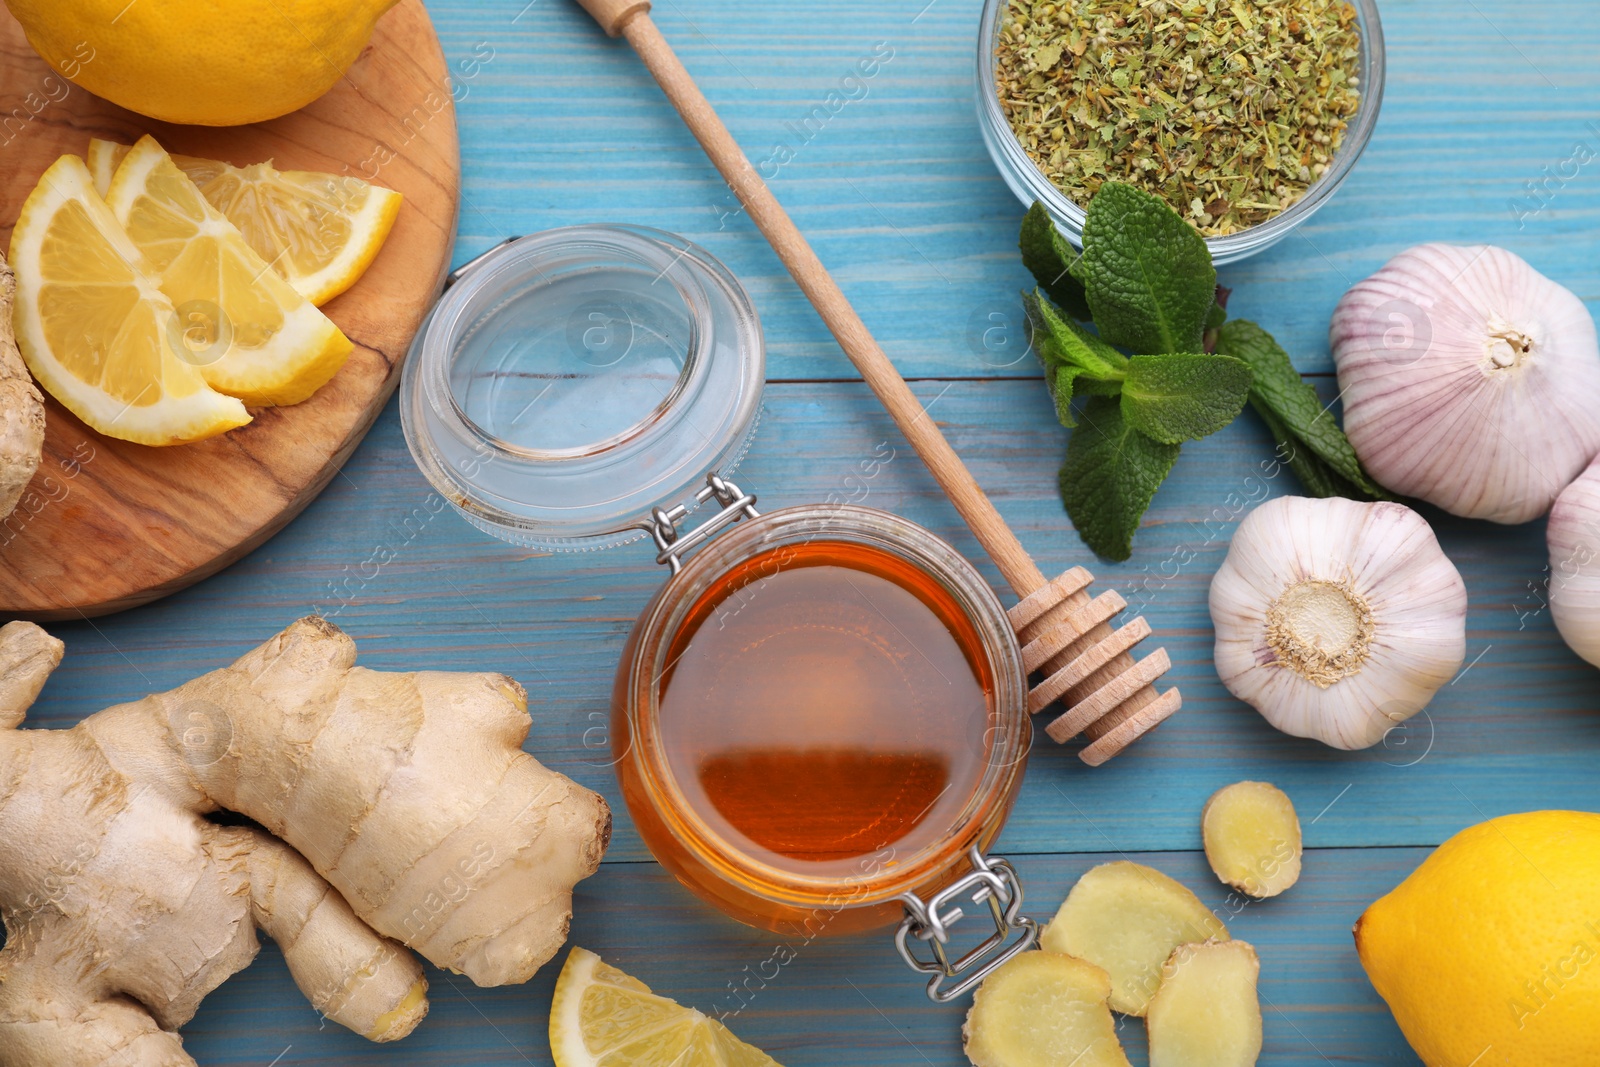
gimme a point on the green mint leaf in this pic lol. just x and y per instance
(1183, 396)
(1088, 386)
(1316, 477)
(1060, 380)
(1216, 317)
(1051, 260)
(1279, 388)
(1070, 343)
(1147, 273)
(1075, 360)
(1109, 477)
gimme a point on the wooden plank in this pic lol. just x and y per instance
(839, 1001)
(560, 126)
(1514, 735)
(901, 200)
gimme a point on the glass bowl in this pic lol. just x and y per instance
(1030, 184)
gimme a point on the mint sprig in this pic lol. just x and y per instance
(1046, 253)
(1146, 283)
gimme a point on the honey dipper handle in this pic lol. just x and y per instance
(613, 15)
(634, 21)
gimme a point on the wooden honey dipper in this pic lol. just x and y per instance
(1064, 632)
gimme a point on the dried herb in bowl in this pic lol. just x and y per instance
(1227, 109)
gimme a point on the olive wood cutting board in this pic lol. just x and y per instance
(107, 525)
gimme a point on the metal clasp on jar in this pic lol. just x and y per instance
(673, 544)
(993, 881)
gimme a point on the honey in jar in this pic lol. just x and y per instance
(823, 703)
(826, 723)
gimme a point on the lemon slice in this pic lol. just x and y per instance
(319, 231)
(601, 1017)
(94, 327)
(250, 334)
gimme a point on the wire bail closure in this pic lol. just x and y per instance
(674, 544)
(992, 881)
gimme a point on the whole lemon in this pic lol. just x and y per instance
(1489, 953)
(207, 62)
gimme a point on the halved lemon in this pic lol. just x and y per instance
(95, 328)
(601, 1017)
(248, 332)
(319, 231)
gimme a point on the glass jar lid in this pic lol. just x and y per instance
(571, 381)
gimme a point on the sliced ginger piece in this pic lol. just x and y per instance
(1043, 1009)
(21, 408)
(1252, 838)
(1127, 918)
(1206, 1013)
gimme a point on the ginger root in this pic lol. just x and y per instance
(21, 407)
(1127, 918)
(401, 810)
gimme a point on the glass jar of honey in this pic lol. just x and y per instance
(820, 721)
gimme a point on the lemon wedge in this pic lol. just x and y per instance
(103, 157)
(251, 335)
(601, 1017)
(95, 328)
(319, 231)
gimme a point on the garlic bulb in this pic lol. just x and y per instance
(1574, 539)
(1336, 619)
(1469, 380)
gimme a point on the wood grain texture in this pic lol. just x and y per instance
(559, 126)
(107, 524)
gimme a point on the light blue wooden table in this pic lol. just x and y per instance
(561, 126)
